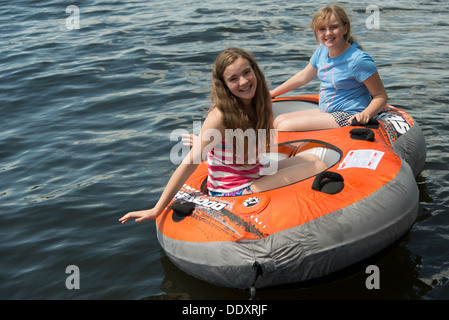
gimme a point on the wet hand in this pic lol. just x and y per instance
(140, 216)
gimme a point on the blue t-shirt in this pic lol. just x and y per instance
(342, 87)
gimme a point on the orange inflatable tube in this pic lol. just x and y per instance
(365, 200)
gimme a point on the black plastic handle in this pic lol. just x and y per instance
(328, 182)
(182, 210)
(362, 134)
(372, 123)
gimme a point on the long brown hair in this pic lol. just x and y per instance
(235, 114)
(323, 16)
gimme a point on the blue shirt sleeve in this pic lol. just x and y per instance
(315, 57)
(364, 67)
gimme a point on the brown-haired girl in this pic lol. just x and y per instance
(241, 101)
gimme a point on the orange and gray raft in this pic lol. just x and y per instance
(365, 200)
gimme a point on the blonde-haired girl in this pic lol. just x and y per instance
(351, 87)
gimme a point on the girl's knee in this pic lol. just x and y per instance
(308, 157)
(282, 124)
(320, 165)
(277, 121)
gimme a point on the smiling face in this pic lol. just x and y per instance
(241, 80)
(332, 34)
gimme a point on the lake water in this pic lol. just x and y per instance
(86, 116)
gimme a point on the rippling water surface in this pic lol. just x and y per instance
(86, 117)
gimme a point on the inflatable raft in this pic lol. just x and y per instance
(366, 199)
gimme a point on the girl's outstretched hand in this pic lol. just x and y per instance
(140, 216)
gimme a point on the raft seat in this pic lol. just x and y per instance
(327, 155)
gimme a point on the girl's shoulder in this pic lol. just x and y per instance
(215, 112)
(319, 56)
(357, 51)
(362, 64)
(321, 50)
(357, 56)
(214, 119)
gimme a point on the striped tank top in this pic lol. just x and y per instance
(225, 176)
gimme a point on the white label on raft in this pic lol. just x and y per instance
(368, 159)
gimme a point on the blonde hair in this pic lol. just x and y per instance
(235, 114)
(323, 16)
